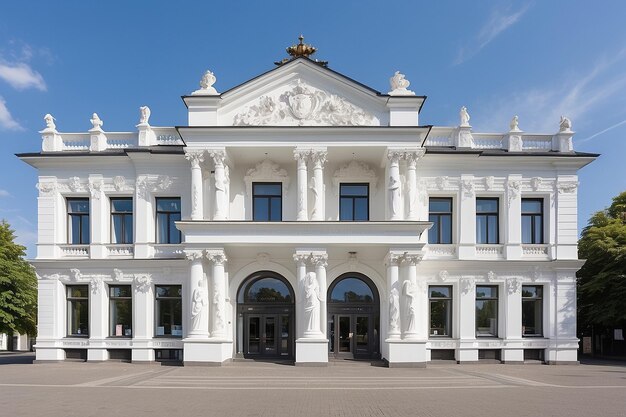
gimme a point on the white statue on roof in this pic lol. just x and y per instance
(514, 125)
(96, 122)
(144, 118)
(464, 116)
(49, 122)
(565, 125)
(399, 85)
(206, 85)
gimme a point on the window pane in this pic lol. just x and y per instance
(527, 229)
(121, 205)
(538, 229)
(531, 206)
(440, 318)
(345, 209)
(121, 317)
(489, 205)
(446, 229)
(79, 318)
(169, 317)
(174, 232)
(168, 291)
(439, 292)
(481, 229)
(168, 204)
(117, 229)
(84, 238)
(360, 209)
(268, 290)
(78, 205)
(352, 290)
(120, 291)
(486, 292)
(532, 317)
(354, 190)
(162, 227)
(440, 205)
(493, 229)
(128, 228)
(486, 318)
(74, 229)
(77, 291)
(266, 189)
(276, 209)
(433, 232)
(261, 209)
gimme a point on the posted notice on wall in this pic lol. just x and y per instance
(618, 334)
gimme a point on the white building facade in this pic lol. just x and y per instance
(304, 216)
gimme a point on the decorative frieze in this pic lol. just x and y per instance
(355, 171)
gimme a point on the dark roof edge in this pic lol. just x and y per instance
(122, 152)
(482, 152)
(304, 127)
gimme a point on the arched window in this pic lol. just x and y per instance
(265, 288)
(351, 290)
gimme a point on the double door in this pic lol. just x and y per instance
(268, 335)
(352, 335)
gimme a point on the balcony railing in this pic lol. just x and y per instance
(75, 251)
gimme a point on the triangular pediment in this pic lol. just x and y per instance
(302, 93)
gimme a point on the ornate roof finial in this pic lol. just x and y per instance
(301, 50)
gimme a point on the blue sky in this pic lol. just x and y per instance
(534, 59)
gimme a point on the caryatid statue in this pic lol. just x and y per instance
(312, 301)
(409, 289)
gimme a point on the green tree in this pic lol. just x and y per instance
(602, 280)
(18, 286)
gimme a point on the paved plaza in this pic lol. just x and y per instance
(341, 389)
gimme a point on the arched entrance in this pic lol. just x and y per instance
(353, 317)
(265, 317)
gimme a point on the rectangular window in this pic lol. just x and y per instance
(532, 220)
(78, 221)
(440, 214)
(487, 215)
(167, 212)
(77, 310)
(440, 298)
(121, 310)
(169, 310)
(532, 310)
(487, 311)
(267, 202)
(354, 202)
(121, 220)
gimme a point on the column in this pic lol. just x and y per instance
(411, 176)
(143, 324)
(301, 156)
(413, 298)
(319, 159)
(198, 324)
(197, 200)
(395, 323)
(513, 242)
(218, 294)
(320, 261)
(393, 185)
(221, 182)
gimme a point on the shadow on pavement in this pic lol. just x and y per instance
(17, 358)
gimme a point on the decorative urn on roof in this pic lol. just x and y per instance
(301, 50)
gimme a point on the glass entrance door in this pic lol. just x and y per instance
(350, 335)
(267, 335)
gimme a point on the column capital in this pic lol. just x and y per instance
(194, 157)
(301, 155)
(393, 259)
(301, 258)
(413, 156)
(319, 259)
(411, 259)
(394, 155)
(218, 155)
(318, 157)
(194, 254)
(217, 257)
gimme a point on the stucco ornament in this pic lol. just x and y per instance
(468, 187)
(74, 184)
(50, 126)
(394, 311)
(394, 195)
(443, 275)
(96, 122)
(95, 188)
(513, 285)
(142, 282)
(489, 181)
(567, 187)
(119, 182)
(355, 171)
(312, 301)
(565, 124)
(95, 284)
(535, 183)
(46, 188)
(303, 105)
(514, 125)
(514, 189)
(206, 85)
(442, 182)
(266, 170)
(144, 115)
(399, 85)
(464, 117)
(410, 292)
(75, 274)
(145, 184)
(467, 285)
(491, 276)
(118, 275)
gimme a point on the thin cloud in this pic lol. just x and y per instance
(21, 76)
(4, 193)
(603, 131)
(497, 23)
(7, 121)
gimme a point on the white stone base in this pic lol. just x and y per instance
(142, 355)
(97, 355)
(312, 352)
(561, 356)
(512, 356)
(207, 351)
(43, 354)
(406, 353)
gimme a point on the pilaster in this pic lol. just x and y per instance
(394, 186)
(197, 199)
(301, 156)
(217, 259)
(221, 184)
(513, 235)
(318, 157)
(411, 178)
(467, 227)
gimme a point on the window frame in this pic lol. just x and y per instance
(449, 303)
(157, 300)
(496, 310)
(487, 215)
(169, 213)
(533, 217)
(353, 198)
(269, 198)
(69, 302)
(123, 215)
(534, 300)
(440, 215)
(112, 300)
(80, 215)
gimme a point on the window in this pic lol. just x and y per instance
(267, 202)
(440, 214)
(121, 220)
(77, 310)
(532, 220)
(169, 310)
(440, 310)
(487, 220)
(532, 310)
(487, 311)
(167, 212)
(354, 202)
(78, 221)
(121, 310)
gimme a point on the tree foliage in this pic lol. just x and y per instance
(602, 280)
(18, 286)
